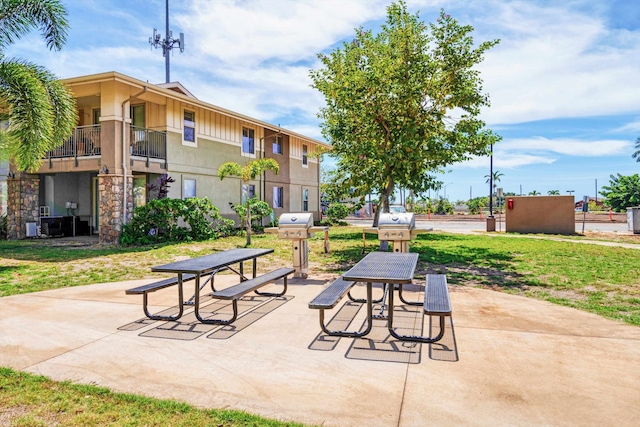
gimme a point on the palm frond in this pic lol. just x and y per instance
(19, 17)
(40, 115)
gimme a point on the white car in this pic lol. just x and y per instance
(397, 209)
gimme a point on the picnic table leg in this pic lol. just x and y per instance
(412, 338)
(145, 300)
(196, 309)
(416, 303)
(349, 334)
(363, 300)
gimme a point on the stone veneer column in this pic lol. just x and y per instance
(22, 204)
(112, 198)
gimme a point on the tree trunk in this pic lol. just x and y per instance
(384, 201)
(248, 224)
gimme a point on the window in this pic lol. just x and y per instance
(248, 191)
(248, 141)
(277, 144)
(305, 200)
(189, 126)
(304, 155)
(189, 188)
(138, 116)
(96, 116)
(277, 197)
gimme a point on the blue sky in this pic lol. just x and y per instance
(564, 82)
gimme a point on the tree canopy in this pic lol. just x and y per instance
(403, 103)
(622, 192)
(39, 110)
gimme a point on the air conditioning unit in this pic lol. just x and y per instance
(32, 229)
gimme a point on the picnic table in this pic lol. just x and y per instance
(392, 269)
(196, 268)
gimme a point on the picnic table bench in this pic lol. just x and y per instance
(234, 292)
(329, 298)
(436, 303)
(156, 286)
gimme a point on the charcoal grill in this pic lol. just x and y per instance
(298, 227)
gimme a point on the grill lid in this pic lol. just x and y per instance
(296, 220)
(405, 221)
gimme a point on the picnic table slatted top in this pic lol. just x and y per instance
(209, 263)
(386, 267)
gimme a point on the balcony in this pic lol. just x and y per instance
(85, 141)
(145, 144)
(148, 143)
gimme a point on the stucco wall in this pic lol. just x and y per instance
(540, 214)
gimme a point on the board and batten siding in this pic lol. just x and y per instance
(211, 125)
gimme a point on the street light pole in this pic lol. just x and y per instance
(491, 184)
(445, 189)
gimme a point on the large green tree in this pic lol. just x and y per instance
(248, 172)
(403, 103)
(622, 192)
(38, 109)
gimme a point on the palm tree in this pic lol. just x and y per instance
(636, 154)
(496, 178)
(533, 193)
(248, 172)
(553, 192)
(40, 111)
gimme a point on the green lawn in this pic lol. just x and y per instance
(599, 279)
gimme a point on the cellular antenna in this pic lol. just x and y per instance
(167, 44)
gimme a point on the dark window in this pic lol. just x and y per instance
(189, 126)
(277, 145)
(304, 155)
(277, 197)
(248, 191)
(305, 200)
(248, 141)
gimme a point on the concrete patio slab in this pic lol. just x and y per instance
(505, 360)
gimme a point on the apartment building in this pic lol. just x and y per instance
(129, 133)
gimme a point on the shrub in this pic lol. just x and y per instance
(336, 213)
(3, 227)
(259, 209)
(476, 205)
(173, 220)
(444, 207)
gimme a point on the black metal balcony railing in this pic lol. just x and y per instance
(85, 141)
(148, 143)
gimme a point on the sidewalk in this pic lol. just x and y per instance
(505, 360)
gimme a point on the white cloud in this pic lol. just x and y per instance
(633, 126)
(567, 146)
(253, 31)
(516, 152)
(557, 61)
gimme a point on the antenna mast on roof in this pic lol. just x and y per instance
(168, 43)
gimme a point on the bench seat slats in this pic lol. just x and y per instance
(331, 295)
(161, 284)
(436, 296)
(242, 288)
